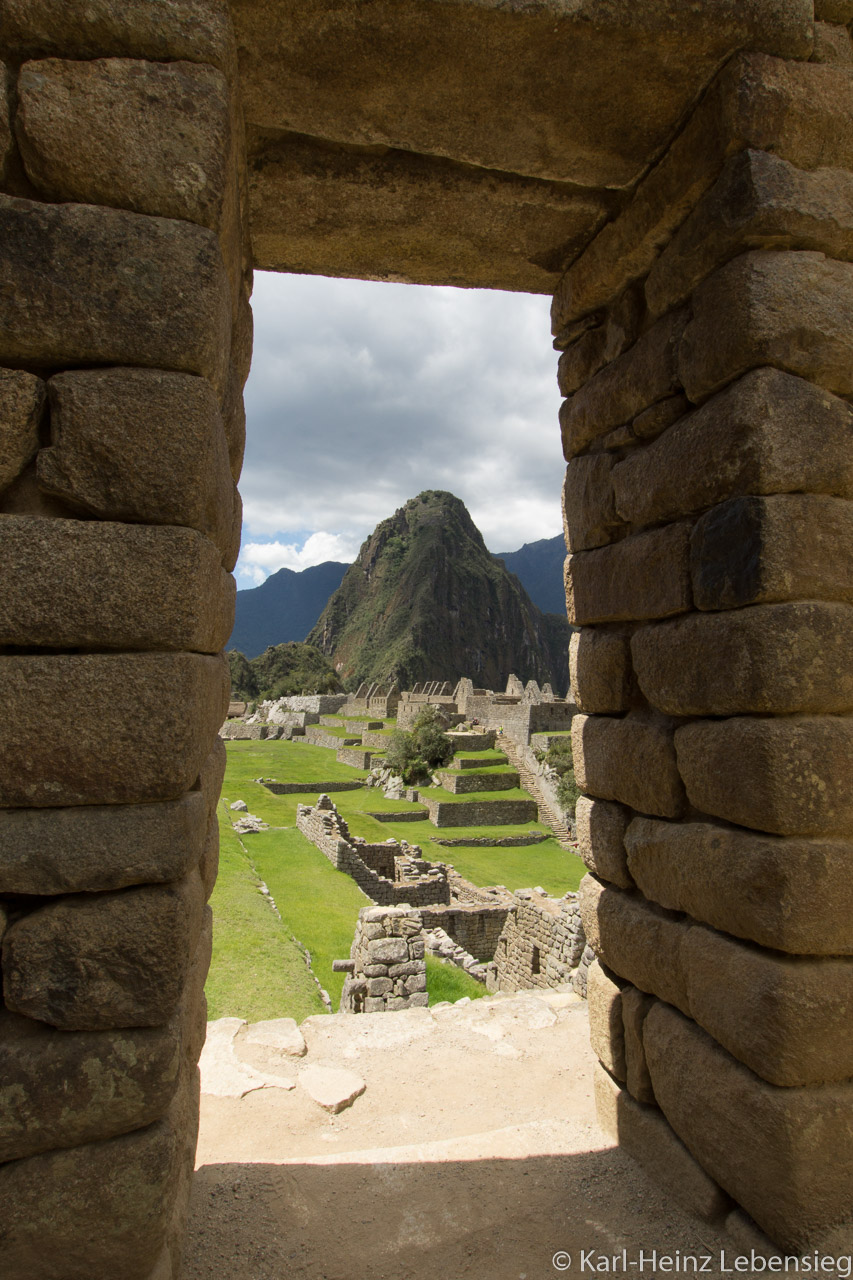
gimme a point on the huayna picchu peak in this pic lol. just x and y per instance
(426, 599)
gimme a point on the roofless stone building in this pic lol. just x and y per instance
(680, 177)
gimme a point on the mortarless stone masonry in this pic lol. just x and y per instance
(388, 970)
(688, 204)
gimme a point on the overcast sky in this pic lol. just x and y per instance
(362, 394)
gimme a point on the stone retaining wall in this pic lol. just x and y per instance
(480, 813)
(305, 788)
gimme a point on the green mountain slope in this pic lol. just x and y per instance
(280, 670)
(426, 601)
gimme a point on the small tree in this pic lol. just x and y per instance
(415, 755)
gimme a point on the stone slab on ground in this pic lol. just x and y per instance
(474, 1151)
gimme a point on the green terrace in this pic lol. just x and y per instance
(259, 968)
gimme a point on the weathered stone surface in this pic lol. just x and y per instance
(757, 550)
(797, 110)
(601, 830)
(618, 74)
(606, 1032)
(777, 658)
(602, 338)
(600, 671)
(786, 1017)
(112, 960)
(334, 1088)
(209, 862)
(197, 30)
(191, 1013)
(224, 1074)
(60, 1089)
(638, 940)
(635, 1006)
(790, 309)
(631, 760)
(840, 11)
(646, 373)
(768, 433)
(321, 207)
(6, 142)
(651, 422)
(789, 776)
(22, 398)
(94, 1210)
(760, 201)
(147, 136)
(234, 422)
(834, 11)
(168, 462)
(85, 285)
(589, 513)
(786, 1155)
(211, 776)
(644, 1133)
(832, 45)
(92, 848)
(107, 728)
(644, 576)
(86, 584)
(792, 894)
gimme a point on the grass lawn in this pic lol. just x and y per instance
(546, 864)
(446, 982)
(488, 753)
(318, 904)
(257, 971)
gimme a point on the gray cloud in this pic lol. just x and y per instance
(363, 394)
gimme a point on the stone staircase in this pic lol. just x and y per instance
(531, 783)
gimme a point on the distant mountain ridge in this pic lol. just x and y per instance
(539, 568)
(425, 600)
(283, 608)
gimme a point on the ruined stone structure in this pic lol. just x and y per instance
(520, 711)
(390, 874)
(386, 969)
(680, 177)
(541, 944)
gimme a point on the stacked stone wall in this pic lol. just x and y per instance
(389, 874)
(479, 813)
(706, 364)
(475, 926)
(387, 965)
(541, 944)
(124, 345)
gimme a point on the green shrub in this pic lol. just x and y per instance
(414, 755)
(559, 757)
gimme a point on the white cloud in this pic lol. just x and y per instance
(363, 394)
(259, 559)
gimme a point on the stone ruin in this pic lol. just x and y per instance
(508, 941)
(386, 970)
(275, 718)
(520, 711)
(389, 873)
(686, 202)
